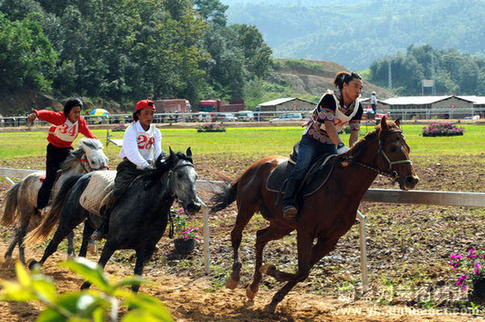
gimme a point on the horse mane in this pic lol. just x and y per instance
(85, 143)
(361, 145)
(71, 159)
(163, 164)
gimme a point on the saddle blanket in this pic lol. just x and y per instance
(98, 191)
(316, 177)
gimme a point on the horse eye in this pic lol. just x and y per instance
(179, 176)
(393, 149)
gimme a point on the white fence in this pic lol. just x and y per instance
(404, 114)
(444, 198)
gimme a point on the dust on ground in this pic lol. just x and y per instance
(405, 244)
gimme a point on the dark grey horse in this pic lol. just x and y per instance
(139, 218)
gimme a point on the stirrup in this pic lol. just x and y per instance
(289, 212)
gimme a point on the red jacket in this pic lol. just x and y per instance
(62, 132)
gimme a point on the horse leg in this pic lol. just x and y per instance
(88, 230)
(21, 234)
(67, 223)
(14, 242)
(142, 256)
(263, 236)
(321, 249)
(242, 219)
(106, 254)
(305, 263)
(70, 245)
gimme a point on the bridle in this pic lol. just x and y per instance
(390, 172)
(171, 173)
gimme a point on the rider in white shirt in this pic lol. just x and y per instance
(142, 144)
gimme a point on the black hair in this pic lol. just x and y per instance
(345, 77)
(135, 115)
(71, 103)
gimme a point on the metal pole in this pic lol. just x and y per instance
(363, 253)
(206, 236)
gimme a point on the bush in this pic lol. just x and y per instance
(211, 127)
(442, 129)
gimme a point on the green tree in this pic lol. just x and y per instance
(27, 58)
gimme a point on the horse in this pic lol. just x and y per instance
(139, 218)
(325, 215)
(21, 198)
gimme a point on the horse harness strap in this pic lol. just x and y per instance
(390, 173)
(83, 160)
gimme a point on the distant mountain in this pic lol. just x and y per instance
(354, 33)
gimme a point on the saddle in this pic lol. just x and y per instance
(316, 176)
(98, 191)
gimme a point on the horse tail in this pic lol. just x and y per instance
(10, 211)
(51, 219)
(224, 198)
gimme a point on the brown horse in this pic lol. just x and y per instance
(325, 215)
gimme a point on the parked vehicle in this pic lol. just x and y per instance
(225, 117)
(173, 106)
(217, 105)
(203, 117)
(288, 117)
(245, 116)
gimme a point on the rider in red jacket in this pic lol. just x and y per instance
(65, 128)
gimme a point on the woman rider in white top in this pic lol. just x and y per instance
(142, 145)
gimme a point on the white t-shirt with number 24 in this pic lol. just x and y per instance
(140, 146)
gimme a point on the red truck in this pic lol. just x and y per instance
(216, 105)
(173, 105)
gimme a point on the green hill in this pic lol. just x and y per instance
(354, 33)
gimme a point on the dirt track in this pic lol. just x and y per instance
(187, 301)
(190, 295)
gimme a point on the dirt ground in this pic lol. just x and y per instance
(406, 246)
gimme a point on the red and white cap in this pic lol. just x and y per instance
(145, 104)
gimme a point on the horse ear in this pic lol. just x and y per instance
(189, 153)
(384, 126)
(171, 151)
(398, 122)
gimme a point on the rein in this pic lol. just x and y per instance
(170, 175)
(389, 173)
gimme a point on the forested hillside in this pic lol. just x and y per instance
(453, 72)
(123, 50)
(353, 33)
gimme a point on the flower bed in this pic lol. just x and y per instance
(442, 129)
(211, 127)
(471, 269)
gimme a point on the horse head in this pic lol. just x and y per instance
(181, 178)
(393, 154)
(95, 157)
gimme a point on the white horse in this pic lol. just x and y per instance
(21, 199)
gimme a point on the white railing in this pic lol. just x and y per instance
(160, 118)
(445, 198)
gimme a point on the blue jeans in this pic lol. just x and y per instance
(310, 149)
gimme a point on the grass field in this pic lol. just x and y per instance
(252, 141)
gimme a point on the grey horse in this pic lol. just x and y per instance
(21, 198)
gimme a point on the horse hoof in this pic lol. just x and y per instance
(32, 264)
(231, 283)
(249, 293)
(270, 308)
(267, 268)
